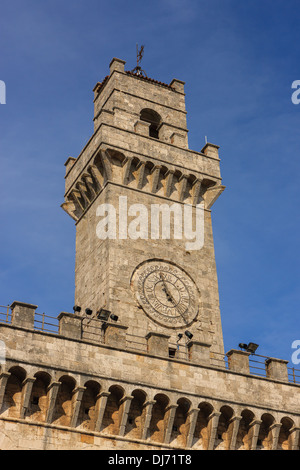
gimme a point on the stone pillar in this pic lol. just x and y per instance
(158, 344)
(101, 405)
(277, 369)
(142, 128)
(294, 436)
(3, 381)
(52, 395)
(69, 163)
(233, 428)
(178, 139)
(192, 417)
(171, 410)
(77, 399)
(275, 430)
(253, 433)
(238, 361)
(199, 352)
(155, 177)
(22, 314)
(212, 428)
(26, 394)
(117, 65)
(196, 190)
(178, 85)
(125, 403)
(148, 412)
(211, 150)
(169, 179)
(115, 335)
(70, 325)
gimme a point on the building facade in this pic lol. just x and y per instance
(140, 363)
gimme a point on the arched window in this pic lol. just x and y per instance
(154, 119)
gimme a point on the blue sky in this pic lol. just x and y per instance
(238, 60)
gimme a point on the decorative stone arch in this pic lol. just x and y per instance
(285, 435)
(131, 172)
(244, 435)
(38, 402)
(163, 177)
(88, 412)
(113, 410)
(222, 434)
(202, 428)
(116, 160)
(158, 422)
(149, 173)
(102, 167)
(180, 428)
(264, 440)
(64, 401)
(136, 415)
(12, 400)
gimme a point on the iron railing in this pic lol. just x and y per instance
(5, 314)
(42, 323)
(92, 330)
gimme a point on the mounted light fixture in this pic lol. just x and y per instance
(103, 314)
(251, 347)
(76, 308)
(180, 335)
(114, 317)
(188, 334)
(88, 311)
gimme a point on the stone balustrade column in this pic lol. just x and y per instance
(171, 410)
(115, 335)
(77, 395)
(22, 314)
(26, 394)
(3, 381)
(158, 344)
(100, 406)
(199, 352)
(70, 325)
(212, 428)
(238, 361)
(192, 417)
(277, 369)
(52, 392)
(148, 415)
(125, 403)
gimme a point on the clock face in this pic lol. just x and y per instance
(166, 293)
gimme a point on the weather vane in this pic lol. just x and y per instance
(139, 55)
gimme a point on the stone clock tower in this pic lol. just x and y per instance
(142, 203)
(140, 364)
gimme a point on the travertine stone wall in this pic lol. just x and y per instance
(99, 396)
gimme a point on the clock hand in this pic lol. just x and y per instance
(169, 295)
(171, 298)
